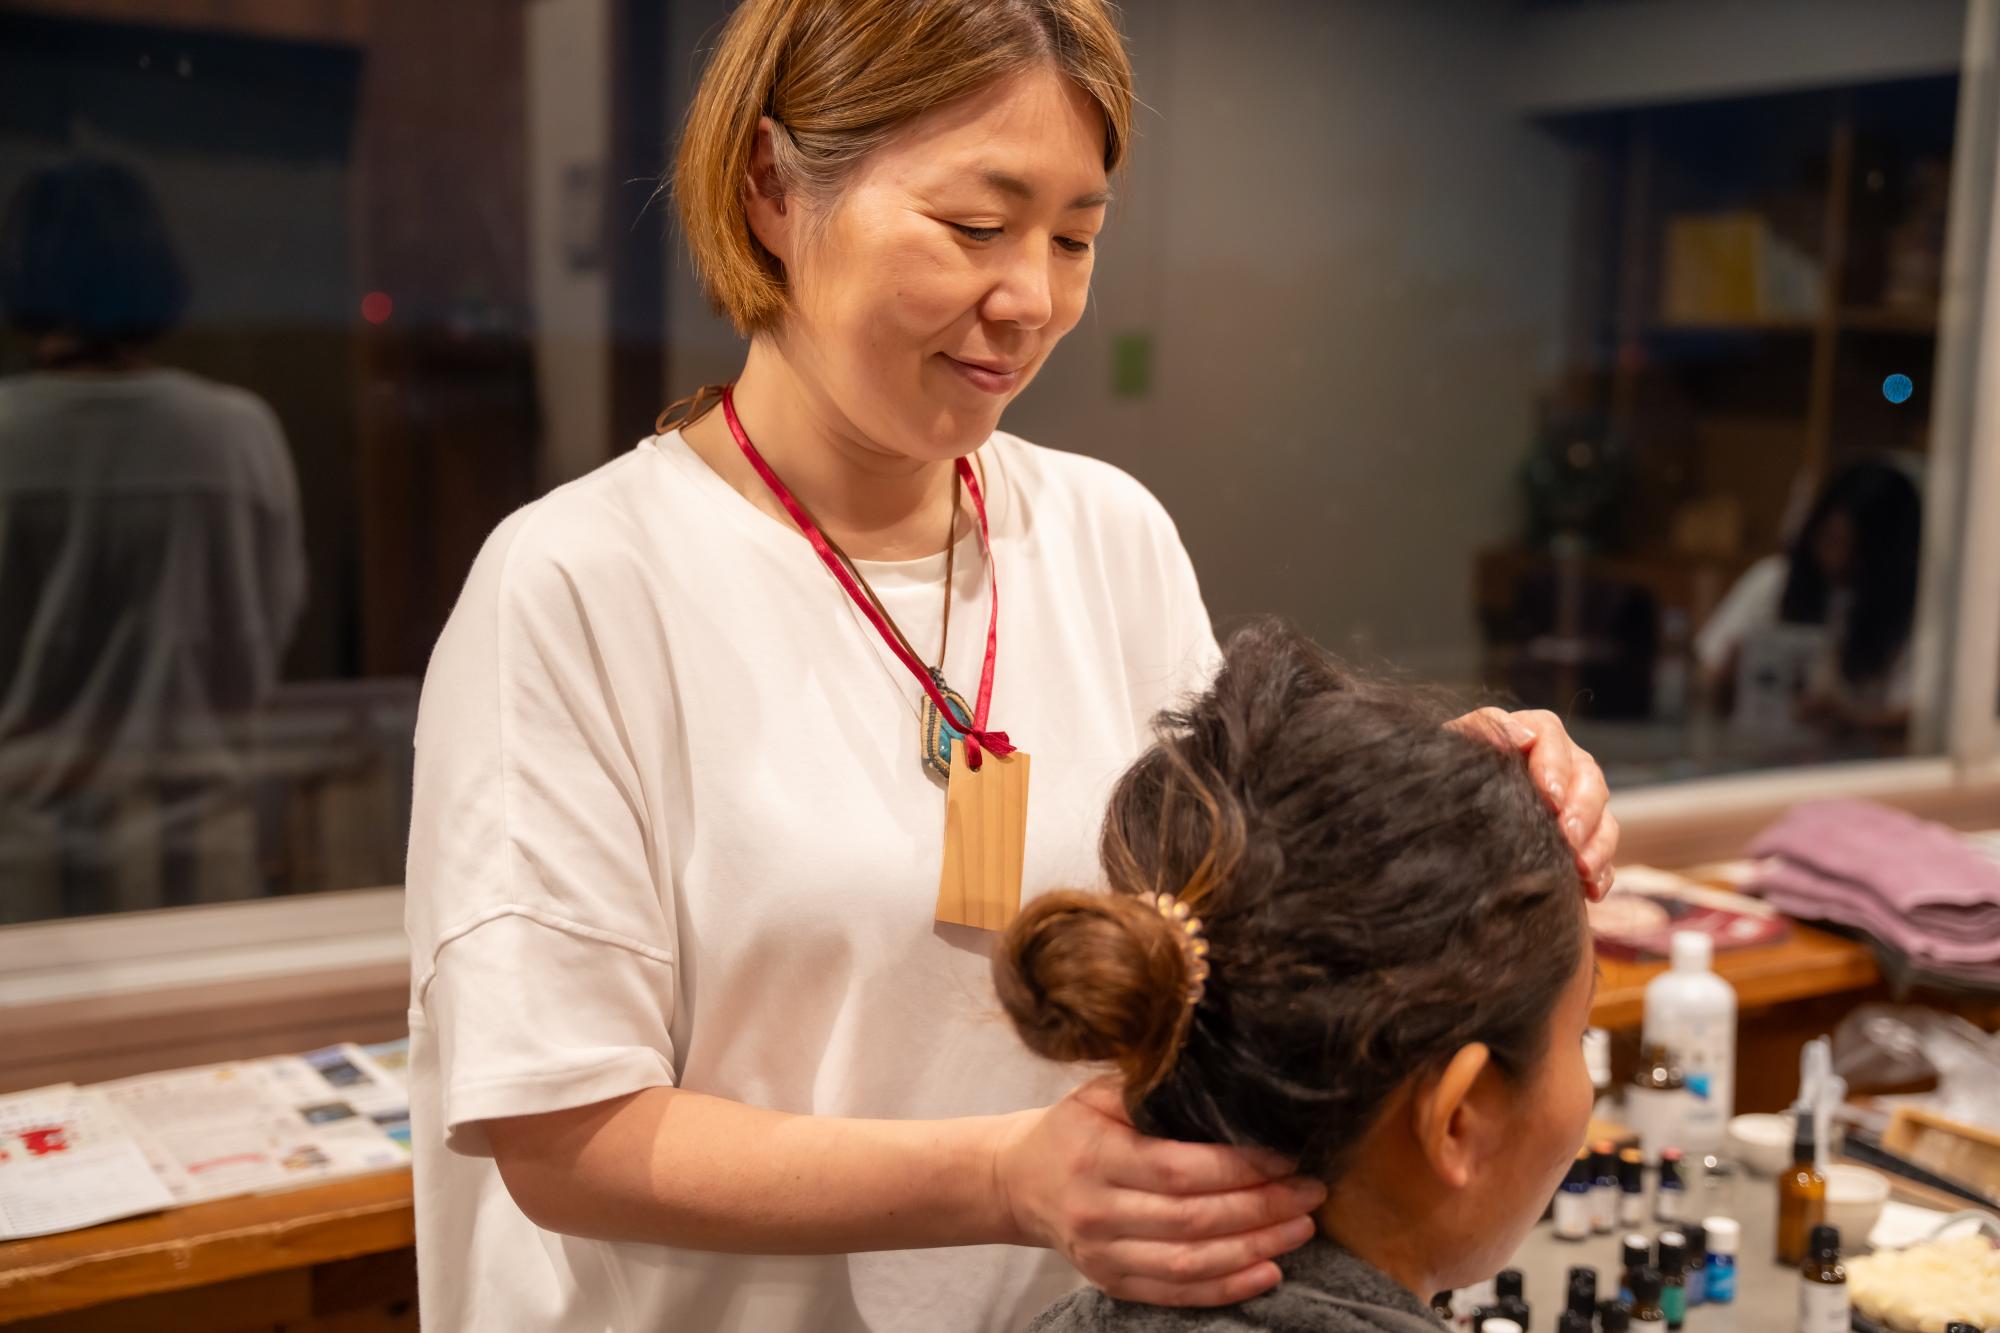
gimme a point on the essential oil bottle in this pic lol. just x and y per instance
(1670, 1195)
(1631, 1189)
(1823, 1302)
(1646, 1298)
(1673, 1278)
(1509, 1290)
(1801, 1195)
(1603, 1187)
(1724, 1235)
(1572, 1203)
(1635, 1253)
(1697, 1263)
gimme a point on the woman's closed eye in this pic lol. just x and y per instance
(1072, 244)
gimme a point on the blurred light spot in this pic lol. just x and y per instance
(376, 307)
(1897, 388)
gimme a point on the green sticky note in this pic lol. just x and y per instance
(1132, 364)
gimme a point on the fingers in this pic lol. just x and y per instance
(1597, 857)
(1551, 758)
(1231, 1290)
(1182, 1272)
(1165, 1166)
(1585, 816)
(1140, 1216)
(1496, 725)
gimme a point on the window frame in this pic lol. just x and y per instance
(300, 945)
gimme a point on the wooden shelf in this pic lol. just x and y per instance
(211, 1243)
(1889, 319)
(1729, 328)
(1807, 964)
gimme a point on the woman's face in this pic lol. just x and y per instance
(1547, 1116)
(930, 292)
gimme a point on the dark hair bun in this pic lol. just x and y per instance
(1096, 977)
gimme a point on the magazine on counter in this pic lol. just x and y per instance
(1638, 918)
(68, 1160)
(76, 1156)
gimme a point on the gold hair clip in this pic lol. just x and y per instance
(1188, 927)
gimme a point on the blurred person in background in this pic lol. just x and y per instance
(152, 565)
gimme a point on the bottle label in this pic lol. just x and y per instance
(1603, 1207)
(1572, 1214)
(1823, 1307)
(1667, 1204)
(1659, 1118)
(1702, 1043)
(1631, 1210)
(1721, 1279)
(1674, 1301)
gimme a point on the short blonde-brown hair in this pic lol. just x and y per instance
(838, 78)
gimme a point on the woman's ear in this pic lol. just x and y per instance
(773, 221)
(1444, 1118)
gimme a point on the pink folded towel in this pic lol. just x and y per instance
(1918, 886)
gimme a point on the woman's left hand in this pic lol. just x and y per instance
(1565, 773)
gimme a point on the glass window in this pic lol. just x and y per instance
(1586, 351)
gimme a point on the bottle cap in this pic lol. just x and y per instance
(1646, 1286)
(1825, 1239)
(1630, 1155)
(1613, 1317)
(1508, 1283)
(1673, 1253)
(1697, 1241)
(1724, 1234)
(1692, 951)
(1573, 1321)
(1500, 1324)
(1959, 1326)
(1670, 1154)
(1582, 1290)
(1637, 1251)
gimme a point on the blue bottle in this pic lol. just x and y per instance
(1723, 1237)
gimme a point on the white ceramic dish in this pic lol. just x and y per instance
(1854, 1199)
(1762, 1143)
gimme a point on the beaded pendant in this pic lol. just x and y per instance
(938, 731)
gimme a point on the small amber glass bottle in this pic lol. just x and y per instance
(1801, 1196)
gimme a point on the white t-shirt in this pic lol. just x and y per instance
(671, 827)
(1753, 607)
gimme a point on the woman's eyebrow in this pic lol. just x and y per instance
(1020, 189)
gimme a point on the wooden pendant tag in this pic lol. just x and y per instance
(985, 837)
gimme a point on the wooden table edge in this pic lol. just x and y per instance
(206, 1243)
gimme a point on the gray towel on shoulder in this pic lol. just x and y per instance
(1363, 1300)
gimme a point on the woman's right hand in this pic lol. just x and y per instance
(1149, 1219)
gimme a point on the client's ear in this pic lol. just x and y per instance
(1445, 1119)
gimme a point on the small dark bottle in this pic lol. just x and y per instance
(1603, 1187)
(1646, 1298)
(1801, 1195)
(1697, 1263)
(1823, 1303)
(1673, 1279)
(1614, 1317)
(1631, 1189)
(1670, 1197)
(1582, 1290)
(1441, 1306)
(1572, 1322)
(1508, 1289)
(1572, 1201)
(1636, 1253)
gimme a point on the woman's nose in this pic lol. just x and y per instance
(1024, 293)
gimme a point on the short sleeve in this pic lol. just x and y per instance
(1751, 603)
(541, 924)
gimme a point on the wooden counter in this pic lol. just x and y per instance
(334, 1256)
